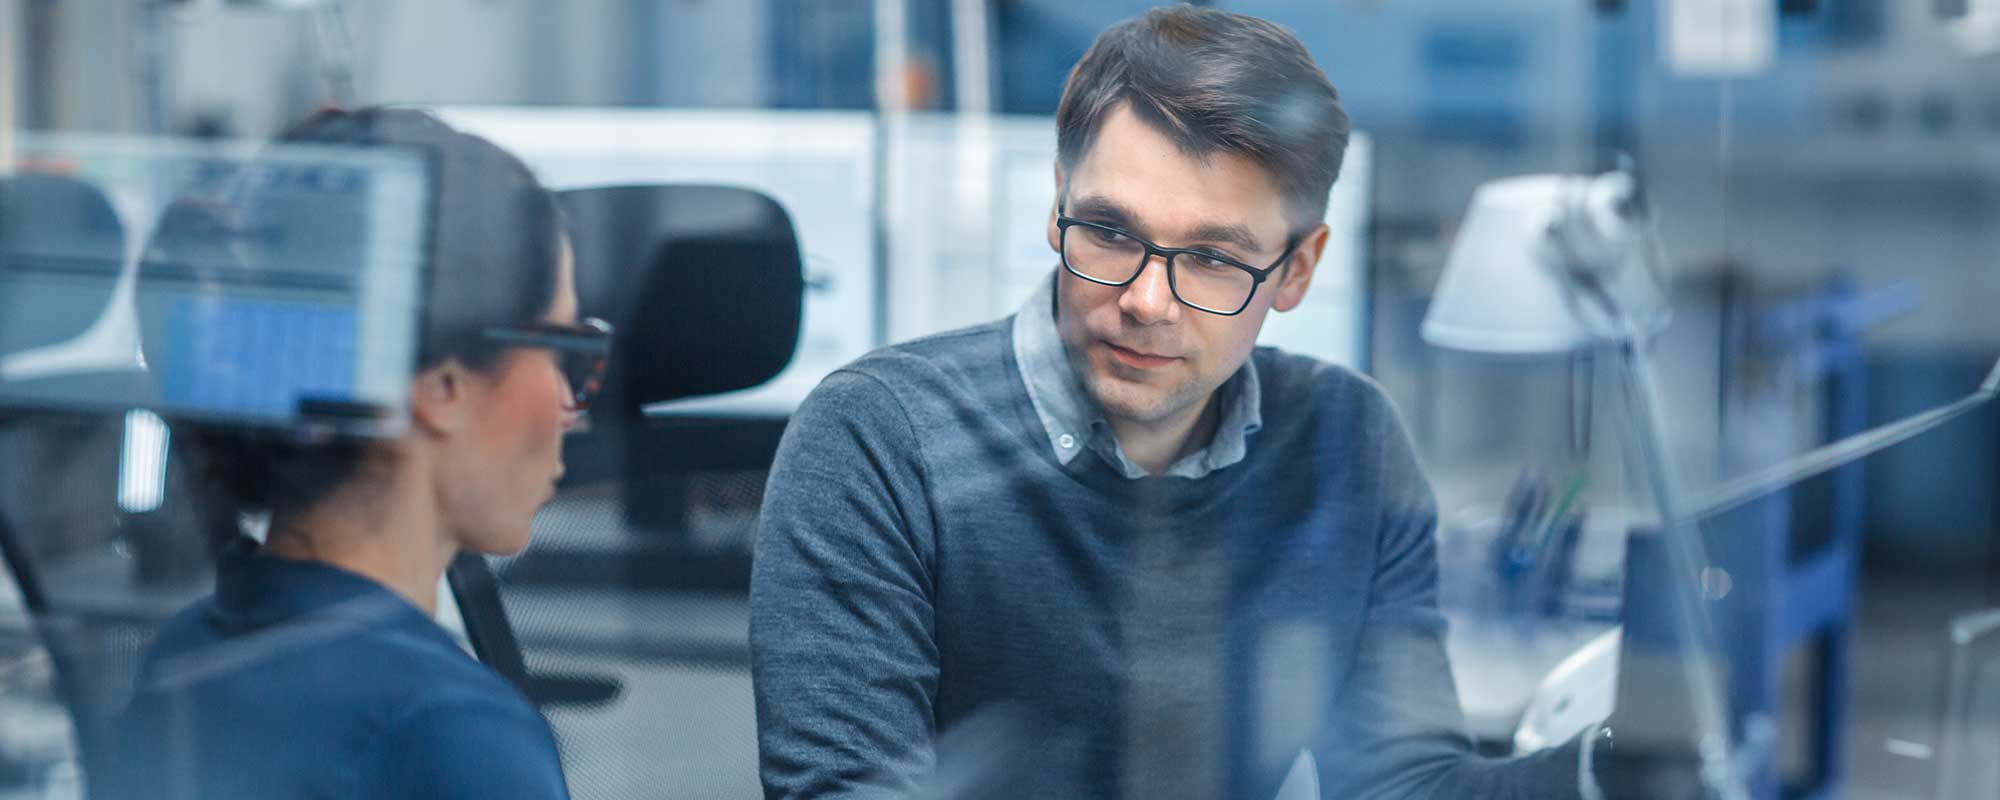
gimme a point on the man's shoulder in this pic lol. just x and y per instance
(1294, 384)
(953, 350)
(957, 362)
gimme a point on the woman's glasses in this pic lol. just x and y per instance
(582, 349)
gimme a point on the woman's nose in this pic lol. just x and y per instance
(572, 417)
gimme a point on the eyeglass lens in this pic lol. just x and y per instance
(1111, 257)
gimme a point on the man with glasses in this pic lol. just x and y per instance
(1107, 547)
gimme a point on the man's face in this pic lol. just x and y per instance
(1145, 357)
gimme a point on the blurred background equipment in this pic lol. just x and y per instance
(1550, 264)
(1578, 250)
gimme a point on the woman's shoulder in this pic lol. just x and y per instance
(398, 689)
(429, 667)
(465, 732)
(446, 725)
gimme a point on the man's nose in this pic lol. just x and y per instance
(1149, 298)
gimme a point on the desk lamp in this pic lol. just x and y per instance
(1550, 264)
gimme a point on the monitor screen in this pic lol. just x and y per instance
(276, 286)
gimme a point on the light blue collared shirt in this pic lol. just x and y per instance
(1074, 422)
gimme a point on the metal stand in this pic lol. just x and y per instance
(1722, 768)
(1609, 251)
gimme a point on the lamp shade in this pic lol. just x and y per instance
(1500, 292)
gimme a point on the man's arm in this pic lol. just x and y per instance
(1399, 729)
(842, 645)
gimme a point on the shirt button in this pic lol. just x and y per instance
(1067, 441)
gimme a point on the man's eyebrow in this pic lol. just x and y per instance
(1103, 209)
(1228, 234)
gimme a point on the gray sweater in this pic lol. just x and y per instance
(941, 606)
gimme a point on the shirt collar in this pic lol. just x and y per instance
(254, 589)
(1072, 421)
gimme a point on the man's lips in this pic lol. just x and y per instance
(1137, 359)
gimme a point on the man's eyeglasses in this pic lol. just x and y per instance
(1204, 280)
(582, 351)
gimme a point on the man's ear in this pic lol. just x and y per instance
(441, 398)
(1297, 273)
(1055, 207)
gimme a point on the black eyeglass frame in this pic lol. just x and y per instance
(1065, 222)
(588, 337)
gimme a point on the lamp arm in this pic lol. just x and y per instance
(1749, 487)
(1687, 556)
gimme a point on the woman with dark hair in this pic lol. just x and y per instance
(317, 668)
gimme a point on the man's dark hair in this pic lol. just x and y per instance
(1214, 81)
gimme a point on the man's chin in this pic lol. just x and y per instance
(1125, 400)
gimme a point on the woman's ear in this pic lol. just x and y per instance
(441, 398)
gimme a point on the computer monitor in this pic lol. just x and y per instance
(279, 287)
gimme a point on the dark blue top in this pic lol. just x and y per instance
(942, 602)
(301, 680)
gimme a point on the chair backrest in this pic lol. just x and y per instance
(61, 249)
(712, 298)
(98, 579)
(705, 285)
(71, 548)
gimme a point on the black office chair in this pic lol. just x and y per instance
(84, 559)
(616, 603)
(63, 247)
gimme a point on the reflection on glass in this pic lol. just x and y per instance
(1079, 605)
(320, 637)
